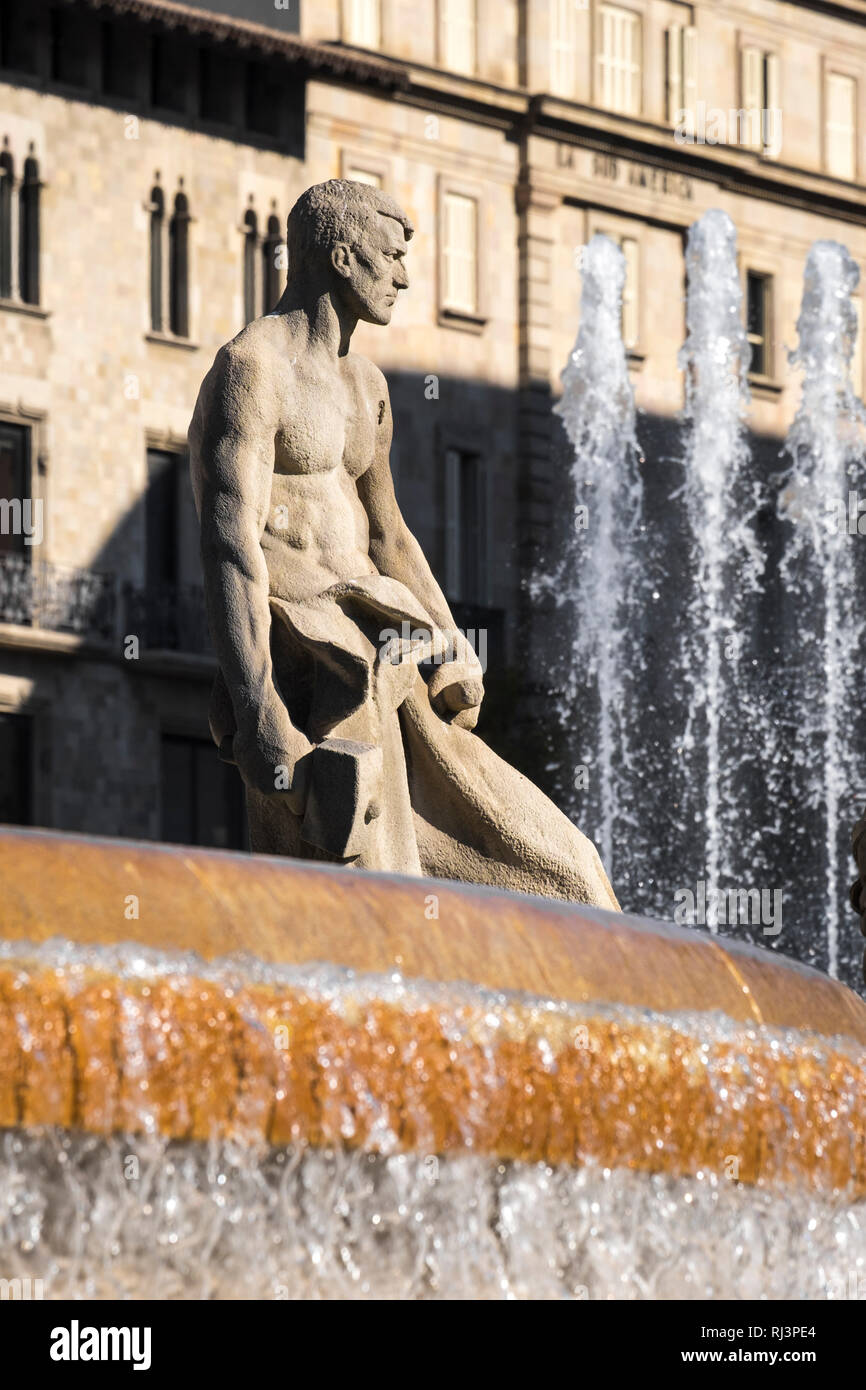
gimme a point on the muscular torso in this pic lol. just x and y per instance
(327, 420)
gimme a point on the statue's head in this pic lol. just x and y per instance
(356, 236)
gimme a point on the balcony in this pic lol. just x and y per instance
(171, 618)
(92, 608)
(57, 598)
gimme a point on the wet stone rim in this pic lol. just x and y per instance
(324, 1057)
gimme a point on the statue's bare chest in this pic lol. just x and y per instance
(325, 423)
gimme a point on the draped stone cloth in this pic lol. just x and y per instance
(346, 663)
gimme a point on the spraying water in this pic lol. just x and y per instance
(598, 572)
(826, 448)
(726, 559)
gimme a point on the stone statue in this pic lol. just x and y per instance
(346, 696)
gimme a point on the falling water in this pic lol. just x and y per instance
(134, 1214)
(598, 570)
(726, 560)
(818, 571)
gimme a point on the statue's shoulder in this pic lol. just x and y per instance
(255, 350)
(367, 372)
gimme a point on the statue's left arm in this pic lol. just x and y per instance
(456, 685)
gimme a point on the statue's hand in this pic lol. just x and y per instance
(456, 691)
(275, 766)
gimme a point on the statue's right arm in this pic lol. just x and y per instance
(232, 439)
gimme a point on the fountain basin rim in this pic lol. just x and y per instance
(292, 912)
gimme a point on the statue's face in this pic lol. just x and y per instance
(374, 272)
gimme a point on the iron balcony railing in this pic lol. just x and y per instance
(100, 607)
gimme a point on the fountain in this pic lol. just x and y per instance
(821, 582)
(721, 632)
(598, 573)
(247, 1077)
(306, 1084)
(726, 561)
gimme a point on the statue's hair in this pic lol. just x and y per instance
(337, 211)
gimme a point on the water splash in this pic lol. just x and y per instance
(819, 574)
(726, 558)
(598, 572)
(222, 1221)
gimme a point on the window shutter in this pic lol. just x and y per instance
(674, 44)
(619, 60)
(457, 19)
(633, 30)
(841, 125)
(771, 105)
(461, 255)
(752, 85)
(563, 48)
(361, 18)
(690, 73)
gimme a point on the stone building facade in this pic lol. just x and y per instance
(150, 154)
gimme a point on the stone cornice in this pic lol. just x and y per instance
(520, 113)
(340, 60)
(736, 170)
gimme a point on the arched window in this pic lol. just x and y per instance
(251, 241)
(178, 284)
(7, 185)
(157, 218)
(272, 279)
(28, 232)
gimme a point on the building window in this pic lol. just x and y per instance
(16, 769)
(7, 192)
(120, 60)
(72, 35)
(161, 520)
(217, 78)
(157, 221)
(759, 303)
(15, 489)
(20, 36)
(357, 175)
(619, 60)
(681, 51)
(273, 264)
(840, 98)
(760, 117)
(457, 35)
(251, 251)
(563, 47)
(170, 73)
(631, 292)
(264, 99)
(178, 268)
(28, 233)
(202, 800)
(168, 612)
(19, 230)
(460, 254)
(466, 514)
(362, 23)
